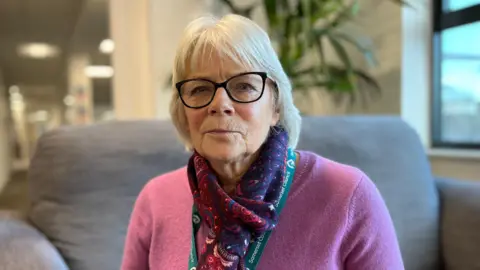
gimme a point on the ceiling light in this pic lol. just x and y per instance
(107, 46)
(38, 116)
(99, 71)
(69, 100)
(38, 50)
(14, 90)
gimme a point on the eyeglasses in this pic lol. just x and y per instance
(242, 88)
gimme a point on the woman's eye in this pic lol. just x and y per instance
(198, 90)
(245, 87)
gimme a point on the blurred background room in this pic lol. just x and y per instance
(390, 86)
(82, 62)
(55, 69)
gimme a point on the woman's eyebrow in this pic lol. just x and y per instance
(206, 76)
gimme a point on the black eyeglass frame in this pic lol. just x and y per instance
(179, 85)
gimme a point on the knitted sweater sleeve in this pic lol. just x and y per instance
(139, 234)
(371, 241)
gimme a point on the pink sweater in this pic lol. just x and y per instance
(334, 218)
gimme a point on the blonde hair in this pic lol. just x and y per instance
(241, 40)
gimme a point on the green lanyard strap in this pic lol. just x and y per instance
(256, 248)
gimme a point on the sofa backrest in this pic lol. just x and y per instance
(84, 181)
(390, 153)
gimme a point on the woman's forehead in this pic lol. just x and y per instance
(216, 66)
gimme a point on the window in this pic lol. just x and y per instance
(456, 74)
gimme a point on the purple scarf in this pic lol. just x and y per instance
(235, 221)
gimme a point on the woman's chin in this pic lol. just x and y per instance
(221, 151)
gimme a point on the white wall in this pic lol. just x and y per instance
(5, 161)
(380, 21)
(146, 33)
(133, 93)
(168, 19)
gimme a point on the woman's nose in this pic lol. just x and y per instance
(221, 103)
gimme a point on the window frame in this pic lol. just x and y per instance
(443, 20)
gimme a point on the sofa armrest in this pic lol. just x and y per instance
(460, 223)
(23, 247)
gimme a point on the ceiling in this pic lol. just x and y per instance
(72, 25)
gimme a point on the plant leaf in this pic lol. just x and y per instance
(321, 67)
(402, 3)
(344, 15)
(366, 52)
(369, 81)
(364, 81)
(355, 8)
(303, 85)
(271, 10)
(246, 12)
(343, 55)
(306, 20)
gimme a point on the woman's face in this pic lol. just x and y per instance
(226, 130)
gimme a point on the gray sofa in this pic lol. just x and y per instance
(84, 181)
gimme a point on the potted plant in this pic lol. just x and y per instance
(302, 31)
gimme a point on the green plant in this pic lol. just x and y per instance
(302, 31)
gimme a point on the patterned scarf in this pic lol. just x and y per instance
(237, 220)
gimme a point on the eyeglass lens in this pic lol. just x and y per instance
(243, 88)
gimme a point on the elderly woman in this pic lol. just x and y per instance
(247, 199)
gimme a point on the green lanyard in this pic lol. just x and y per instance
(256, 248)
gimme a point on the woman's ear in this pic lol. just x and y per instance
(275, 117)
(275, 107)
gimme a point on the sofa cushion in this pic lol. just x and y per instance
(24, 248)
(460, 229)
(84, 181)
